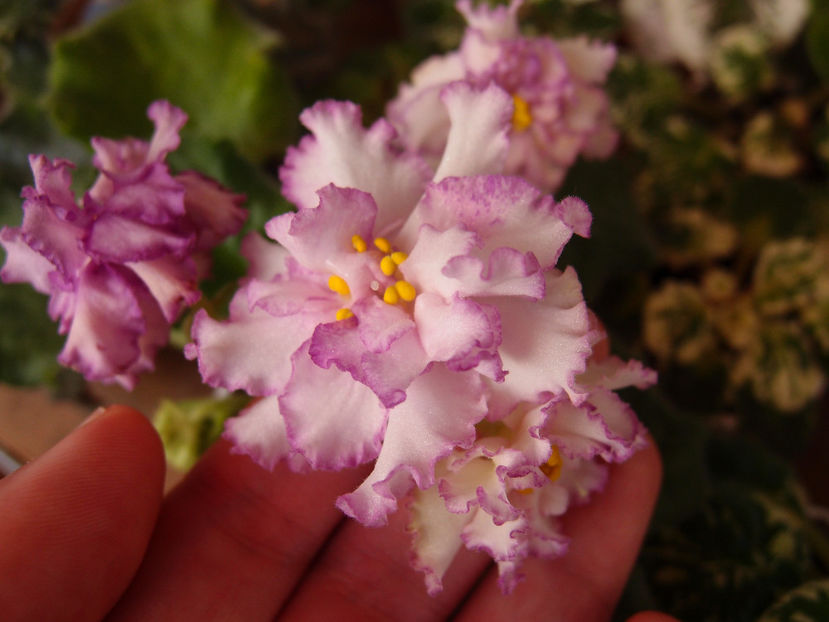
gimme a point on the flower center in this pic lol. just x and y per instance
(399, 290)
(552, 468)
(521, 116)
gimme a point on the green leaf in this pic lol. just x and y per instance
(617, 245)
(29, 341)
(766, 208)
(807, 603)
(730, 561)
(188, 427)
(817, 38)
(201, 55)
(223, 162)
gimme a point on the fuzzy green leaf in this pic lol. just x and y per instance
(817, 38)
(201, 55)
(807, 603)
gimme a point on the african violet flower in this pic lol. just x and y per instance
(398, 312)
(121, 266)
(505, 493)
(558, 107)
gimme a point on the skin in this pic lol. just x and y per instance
(88, 535)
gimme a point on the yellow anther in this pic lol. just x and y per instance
(344, 314)
(525, 491)
(399, 257)
(358, 243)
(383, 244)
(521, 116)
(406, 290)
(387, 265)
(552, 469)
(338, 284)
(390, 296)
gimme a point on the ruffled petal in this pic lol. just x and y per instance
(23, 264)
(154, 198)
(265, 259)
(213, 211)
(432, 251)
(603, 426)
(117, 239)
(436, 537)
(333, 421)
(106, 323)
(581, 478)
(171, 281)
(458, 332)
(588, 60)
(54, 234)
(418, 112)
(155, 335)
(340, 151)
(480, 121)
(496, 539)
(259, 432)
(500, 22)
(53, 179)
(168, 122)
(251, 350)
(439, 414)
(506, 212)
(379, 347)
(613, 373)
(545, 344)
(321, 238)
(288, 296)
(507, 272)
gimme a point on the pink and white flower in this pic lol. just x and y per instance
(399, 312)
(505, 494)
(559, 109)
(120, 267)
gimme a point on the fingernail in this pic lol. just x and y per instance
(96, 414)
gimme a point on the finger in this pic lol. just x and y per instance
(364, 574)
(584, 584)
(233, 539)
(76, 521)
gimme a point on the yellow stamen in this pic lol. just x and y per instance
(399, 257)
(390, 296)
(383, 244)
(344, 314)
(338, 284)
(521, 116)
(387, 266)
(552, 469)
(358, 243)
(406, 290)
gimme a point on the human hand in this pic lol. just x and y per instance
(87, 535)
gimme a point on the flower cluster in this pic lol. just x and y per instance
(419, 319)
(120, 266)
(559, 109)
(413, 313)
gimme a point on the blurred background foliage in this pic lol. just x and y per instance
(709, 258)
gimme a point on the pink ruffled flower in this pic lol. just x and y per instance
(120, 267)
(559, 107)
(398, 311)
(504, 495)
